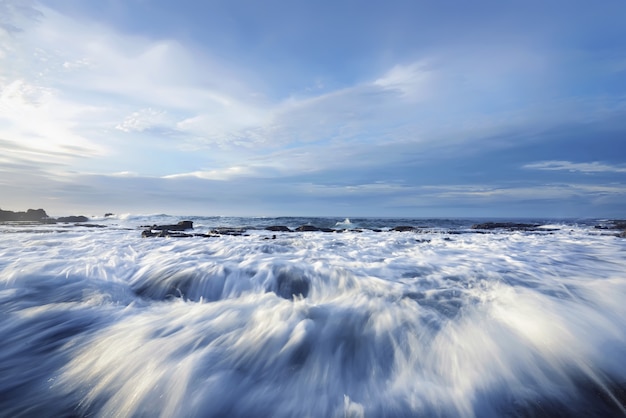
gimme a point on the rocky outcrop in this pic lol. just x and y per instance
(39, 215)
(180, 226)
(172, 231)
(278, 228)
(31, 215)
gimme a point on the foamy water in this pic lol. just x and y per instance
(99, 322)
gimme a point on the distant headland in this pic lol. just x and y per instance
(37, 215)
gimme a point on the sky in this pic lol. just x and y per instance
(314, 108)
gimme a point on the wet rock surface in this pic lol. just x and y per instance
(72, 219)
(511, 226)
(278, 228)
(173, 231)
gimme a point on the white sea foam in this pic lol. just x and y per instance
(101, 322)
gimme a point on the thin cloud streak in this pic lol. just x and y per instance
(592, 167)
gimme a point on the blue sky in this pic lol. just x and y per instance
(346, 108)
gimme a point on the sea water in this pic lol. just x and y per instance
(368, 322)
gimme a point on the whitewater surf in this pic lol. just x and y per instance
(440, 320)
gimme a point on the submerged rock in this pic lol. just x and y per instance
(290, 283)
(90, 225)
(228, 231)
(511, 226)
(404, 228)
(72, 219)
(313, 228)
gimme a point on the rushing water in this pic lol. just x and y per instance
(439, 322)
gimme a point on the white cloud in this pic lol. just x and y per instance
(34, 116)
(125, 174)
(414, 81)
(218, 174)
(77, 64)
(592, 167)
(142, 120)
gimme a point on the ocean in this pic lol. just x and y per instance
(440, 320)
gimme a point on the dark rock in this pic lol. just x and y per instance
(91, 225)
(108, 214)
(36, 215)
(278, 228)
(72, 219)
(206, 235)
(181, 226)
(620, 225)
(307, 228)
(228, 231)
(165, 234)
(313, 228)
(175, 234)
(403, 228)
(614, 224)
(622, 235)
(511, 226)
(31, 215)
(165, 230)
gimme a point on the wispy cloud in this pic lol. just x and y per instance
(523, 192)
(219, 174)
(592, 167)
(413, 81)
(81, 98)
